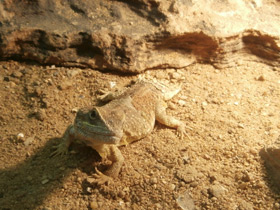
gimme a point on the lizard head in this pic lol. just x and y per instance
(94, 128)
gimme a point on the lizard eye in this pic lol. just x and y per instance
(93, 114)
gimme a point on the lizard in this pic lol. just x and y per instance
(129, 115)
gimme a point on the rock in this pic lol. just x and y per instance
(20, 136)
(244, 205)
(93, 205)
(153, 180)
(73, 72)
(89, 190)
(45, 181)
(182, 102)
(132, 36)
(185, 201)
(271, 156)
(17, 74)
(65, 85)
(28, 141)
(187, 175)
(260, 78)
(172, 187)
(217, 190)
(40, 114)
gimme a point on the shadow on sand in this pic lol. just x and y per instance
(27, 184)
(271, 157)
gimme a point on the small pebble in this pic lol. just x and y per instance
(41, 115)
(153, 180)
(75, 110)
(204, 103)
(172, 187)
(45, 181)
(17, 74)
(112, 84)
(73, 73)
(20, 136)
(89, 190)
(185, 201)
(93, 205)
(12, 84)
(175, 75)
(186, 159)
(121, 194)
(182, 102)
(158, 206)
(253, 151)
(260, 78)
(28, 141)
(246, 177)
(240, 125)
(206, 157)
(217, 190)
(65, 85)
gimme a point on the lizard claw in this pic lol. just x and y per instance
(99, 178)
(105, 96)
(61, 149)
(181, 132)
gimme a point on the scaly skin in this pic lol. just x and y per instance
(129, 116)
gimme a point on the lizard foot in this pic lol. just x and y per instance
(99, 178)
(181, 132)
(60, 149)
(105, 96)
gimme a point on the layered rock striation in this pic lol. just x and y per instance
(136, 35)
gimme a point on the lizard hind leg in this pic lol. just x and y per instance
(169, 121)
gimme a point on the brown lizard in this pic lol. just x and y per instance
(129, 116)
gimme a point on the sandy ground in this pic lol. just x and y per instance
(231, 115)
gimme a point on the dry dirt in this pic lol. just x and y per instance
(231, 115)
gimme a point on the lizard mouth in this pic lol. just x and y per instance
(90, 130)
(94, 133)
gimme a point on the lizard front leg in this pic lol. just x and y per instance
(115, 155)
(67, 139)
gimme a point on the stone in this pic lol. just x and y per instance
(28, 141)
(133, 36)
(185, 201)
(187, 175)
(17, 74)
(271, 156)
(20, 136)
(153, 180)
(261, 78)
(40, 114)
(65, 85)
(93, 205)
(217, 190)
(244, 205)
(45, 181)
